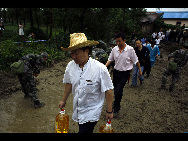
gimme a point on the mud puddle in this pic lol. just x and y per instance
(144, 109)
(17, 114)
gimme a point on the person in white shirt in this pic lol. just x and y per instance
(154, 35)
(157, 41)
(90, 83)
(21, 32)
(160, 34)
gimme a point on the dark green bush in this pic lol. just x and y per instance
(11, 52)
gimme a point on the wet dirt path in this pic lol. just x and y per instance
(144, 109)
(18, 114)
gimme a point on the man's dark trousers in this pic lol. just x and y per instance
(119, 80)
(87, 127)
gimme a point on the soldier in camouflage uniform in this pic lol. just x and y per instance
(32, 66)
(100, 52)
(174, 68)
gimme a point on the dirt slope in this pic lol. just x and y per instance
(144, 108)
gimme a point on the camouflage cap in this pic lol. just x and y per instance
(44, 55)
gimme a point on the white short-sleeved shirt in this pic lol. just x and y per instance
(157, 41)
(123, 60)
(88, 89)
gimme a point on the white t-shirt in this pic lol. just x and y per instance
(154, 35)
(157, 41)
(88, 89)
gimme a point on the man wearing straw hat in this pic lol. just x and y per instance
(89, 82)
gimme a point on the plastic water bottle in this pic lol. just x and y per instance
(62, 122)
(106, 128)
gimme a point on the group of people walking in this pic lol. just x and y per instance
(178, 35)
(89, 80)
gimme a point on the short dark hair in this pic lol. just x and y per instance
(138, 40)
(120, 34)
(87, 47)
(153, 42)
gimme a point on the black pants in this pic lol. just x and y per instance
(147, 67)
(87, 127)
(119, 80)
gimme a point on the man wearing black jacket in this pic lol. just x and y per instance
(142, 54)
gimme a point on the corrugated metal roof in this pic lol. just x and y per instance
(174, 15)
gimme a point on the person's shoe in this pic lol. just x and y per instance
(163, 87)
(171, 89)
(147, 76)
(141, 82)
(37, 104)
(26, 96)
(133, 86)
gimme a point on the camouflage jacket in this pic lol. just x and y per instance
(32, 63)
(180, 57)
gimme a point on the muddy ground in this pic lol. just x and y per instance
(144, 109)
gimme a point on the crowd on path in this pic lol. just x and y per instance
(89, 80)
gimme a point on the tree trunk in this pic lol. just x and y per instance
(5, 15)
(37, 18)
(17, 16)
(123, 19)
(12, 19)
(51, 22)
(24, 16)
(82, 20)
(31, 16)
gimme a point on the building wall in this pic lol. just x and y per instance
(147, 29)
(173, 22)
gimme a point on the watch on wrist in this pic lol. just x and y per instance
(109, 112)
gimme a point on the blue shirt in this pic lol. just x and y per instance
(143, 40)
(153, 51)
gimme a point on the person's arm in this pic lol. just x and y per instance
(110, 59)
(158, 52)
(108, 63)
(109, 101)
(68, 89)
(138, 65)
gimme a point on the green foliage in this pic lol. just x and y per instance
(10, 34)
(38, 33)
(10, 53)
(160, 24)
(96, 23)
(58, 24)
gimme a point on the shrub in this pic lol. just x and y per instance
(39, 34)
(10, 53)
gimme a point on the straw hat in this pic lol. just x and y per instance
(79, 40)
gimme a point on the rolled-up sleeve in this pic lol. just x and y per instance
(111, 56)
(106, 82)
(66, 78)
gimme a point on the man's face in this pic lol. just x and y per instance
(138, 43)
(120, 42)
(79, 56)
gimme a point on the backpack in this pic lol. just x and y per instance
(172, 66)
(17, 68)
